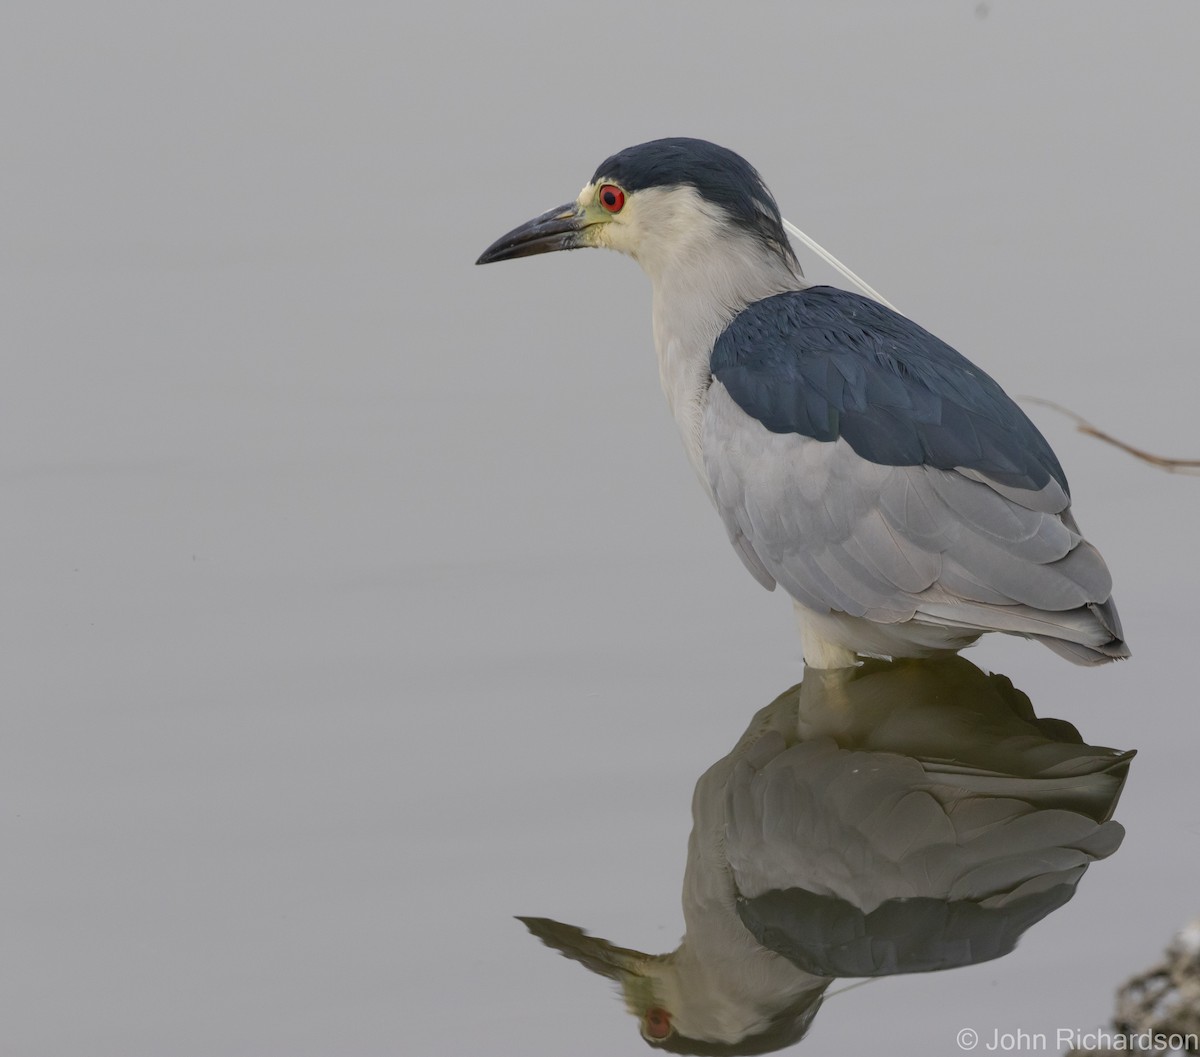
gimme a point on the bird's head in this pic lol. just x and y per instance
(667, 203)
(674, 1000)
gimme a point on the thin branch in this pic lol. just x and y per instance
(1187, 466)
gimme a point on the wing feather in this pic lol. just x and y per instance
(894, 543)
(871, 470)
(828, 364)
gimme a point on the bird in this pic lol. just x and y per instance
(889, 485)
(896, 817)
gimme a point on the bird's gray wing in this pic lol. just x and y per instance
(873, 471)
(845, 534)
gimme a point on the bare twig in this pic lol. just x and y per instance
(1187, 466)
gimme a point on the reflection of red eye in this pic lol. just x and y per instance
(612, 198)
(658, 1021)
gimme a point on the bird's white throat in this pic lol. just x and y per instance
(712, 275)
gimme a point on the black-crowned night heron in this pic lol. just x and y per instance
(895, 491)
(897, 817)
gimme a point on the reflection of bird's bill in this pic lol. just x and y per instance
(595, 953)
(627, 967)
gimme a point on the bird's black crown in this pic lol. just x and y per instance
(718, 174)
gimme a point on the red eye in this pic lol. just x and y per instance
(612, 198)
(658, 1023)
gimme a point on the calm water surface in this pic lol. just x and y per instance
(358, 601)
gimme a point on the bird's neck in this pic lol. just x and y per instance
(722, 981)
(708, 282)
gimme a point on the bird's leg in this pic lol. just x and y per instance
(825, 707)
(820, 651)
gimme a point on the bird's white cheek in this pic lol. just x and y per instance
(616, 236)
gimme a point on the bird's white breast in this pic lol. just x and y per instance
(685, 380)
(712, 275)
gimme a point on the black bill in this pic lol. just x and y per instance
(557, 229)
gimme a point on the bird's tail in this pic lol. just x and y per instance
(1089, 635)
(1113, 649)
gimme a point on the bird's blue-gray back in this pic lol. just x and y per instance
(825, 363)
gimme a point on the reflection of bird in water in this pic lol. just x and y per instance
(899, 817)
(890, 486)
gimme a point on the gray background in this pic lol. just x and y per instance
(356, 599)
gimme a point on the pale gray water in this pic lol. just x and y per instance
(357, 599)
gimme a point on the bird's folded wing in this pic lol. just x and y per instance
(828, 364)
(845, 534)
